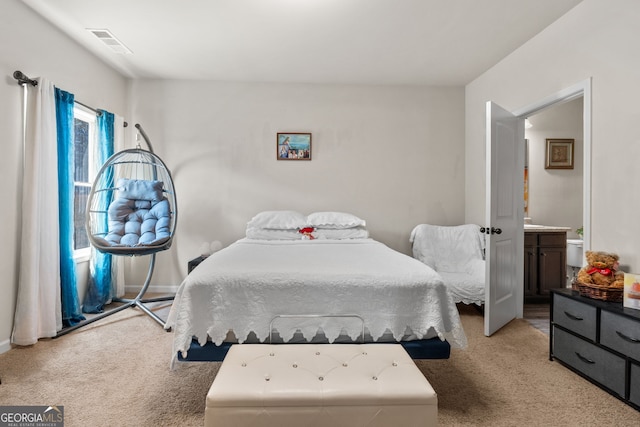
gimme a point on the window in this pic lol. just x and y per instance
(83, 141)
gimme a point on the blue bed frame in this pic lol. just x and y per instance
(432, 348)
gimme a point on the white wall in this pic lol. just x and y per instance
(33, 46)
(595, 39)
(392, 155)
(555, 195)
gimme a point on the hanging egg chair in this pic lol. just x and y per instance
(132, 211)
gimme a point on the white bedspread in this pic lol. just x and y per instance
(244, 286)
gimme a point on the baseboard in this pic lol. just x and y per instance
(154, 289)
(5, 346)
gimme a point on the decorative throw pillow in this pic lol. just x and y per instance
(140, 189)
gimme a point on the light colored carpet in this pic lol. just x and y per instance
(115, 372)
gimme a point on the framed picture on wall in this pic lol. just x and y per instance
(559, 154)
(293, 146)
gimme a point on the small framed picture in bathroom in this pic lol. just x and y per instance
(559, 154)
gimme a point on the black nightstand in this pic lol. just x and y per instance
(194, 263)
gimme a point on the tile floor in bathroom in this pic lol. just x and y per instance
(537, 315)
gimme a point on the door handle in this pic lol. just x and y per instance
(491, 230)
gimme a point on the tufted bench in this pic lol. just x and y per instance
(320, 385)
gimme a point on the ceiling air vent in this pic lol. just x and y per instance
(110, 40)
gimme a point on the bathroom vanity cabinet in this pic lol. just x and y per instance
(545, 262)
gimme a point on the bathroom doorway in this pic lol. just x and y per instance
(567, 111)
(555, 196)
(580, 92)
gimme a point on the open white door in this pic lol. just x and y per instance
(505, 215)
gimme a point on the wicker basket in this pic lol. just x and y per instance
(605, 293)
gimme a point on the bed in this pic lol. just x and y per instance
(315, 279)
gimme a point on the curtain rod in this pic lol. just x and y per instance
(23, 79)
(98, 112)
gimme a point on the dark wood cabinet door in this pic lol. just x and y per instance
(551, 269)
(545, 258)
(530, 271)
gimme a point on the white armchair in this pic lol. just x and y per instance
(456, 253)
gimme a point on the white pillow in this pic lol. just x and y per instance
(322, 233)
(334, 220)
(272, 234)
(278, 220)
(340, 234)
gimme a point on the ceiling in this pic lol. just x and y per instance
(433, 42)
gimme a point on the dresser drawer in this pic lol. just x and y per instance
(634, 393)
(621, 334)
(593, 361)
(576, 316)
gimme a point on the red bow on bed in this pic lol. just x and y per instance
(307, 232)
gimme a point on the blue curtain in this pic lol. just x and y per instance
(71, 313)
(99, 288)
